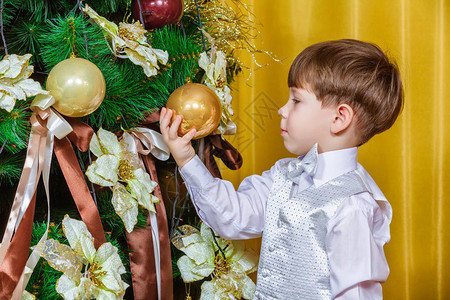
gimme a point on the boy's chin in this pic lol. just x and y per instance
(296, 150)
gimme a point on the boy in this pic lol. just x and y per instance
(323, 219)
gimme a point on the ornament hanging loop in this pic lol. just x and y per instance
(187, 286)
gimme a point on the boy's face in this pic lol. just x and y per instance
(305, 122)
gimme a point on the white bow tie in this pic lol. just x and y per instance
(308, 164)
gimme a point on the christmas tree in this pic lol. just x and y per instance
(100, 220)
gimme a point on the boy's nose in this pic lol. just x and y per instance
(282, 111)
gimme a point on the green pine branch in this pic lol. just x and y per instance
(23, 38)
(14, 127)
(66, 35)
(183, 54)
(40, 10)
(128, 95)
(107, 7)
(10, 8)
(10, 167)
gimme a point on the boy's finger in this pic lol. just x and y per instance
(173, 129)
(164, 120)
(190, 135)
(161, 117)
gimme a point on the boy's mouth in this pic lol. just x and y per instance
(283, 131)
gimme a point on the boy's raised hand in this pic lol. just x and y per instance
(180, 147)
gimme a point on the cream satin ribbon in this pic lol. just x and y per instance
(156, 250)
(151, 139)
(38, 160)
(155, 144)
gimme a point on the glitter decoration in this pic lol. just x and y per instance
(129, 41)
(14, 81)
(116, 167)
(87, 273)
(227, 263)
(231, 27)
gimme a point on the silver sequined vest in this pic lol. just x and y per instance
(294, 262)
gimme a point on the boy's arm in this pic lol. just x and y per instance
(355, 239)
(233, 214)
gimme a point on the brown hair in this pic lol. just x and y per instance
(355, 73)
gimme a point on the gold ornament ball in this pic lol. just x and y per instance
(78, 87)
(199, 106)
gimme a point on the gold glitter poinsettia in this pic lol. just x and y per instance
(228, 263)
(14, 81)
(129, 41)
(87, 273)
(118, 168)
(216, 78)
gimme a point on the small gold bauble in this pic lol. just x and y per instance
(78, 87)
(199, 106)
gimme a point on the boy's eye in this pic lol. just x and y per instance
(295, 100)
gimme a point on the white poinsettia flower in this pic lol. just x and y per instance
(87, 273)
(14, 81)
(129, 41)
(27, 296)
(118, 168)
(216, 78)
(228, 263)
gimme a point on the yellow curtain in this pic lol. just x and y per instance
(410, 162)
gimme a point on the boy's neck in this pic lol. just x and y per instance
(338, 143)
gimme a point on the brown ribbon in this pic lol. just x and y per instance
(15, 259)
(80, 137)
(140, 242)
(142, 260)
(215, 145)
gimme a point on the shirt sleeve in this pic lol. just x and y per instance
(233, 214)
(355, 239)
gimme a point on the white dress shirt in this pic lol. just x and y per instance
(357, 232)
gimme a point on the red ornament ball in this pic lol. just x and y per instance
(157, 13)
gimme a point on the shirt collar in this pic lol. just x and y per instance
(332, 164)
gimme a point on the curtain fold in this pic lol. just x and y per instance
(410, 161)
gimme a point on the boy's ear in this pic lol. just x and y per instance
(343, 118)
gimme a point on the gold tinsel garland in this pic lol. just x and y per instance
(231, 26)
